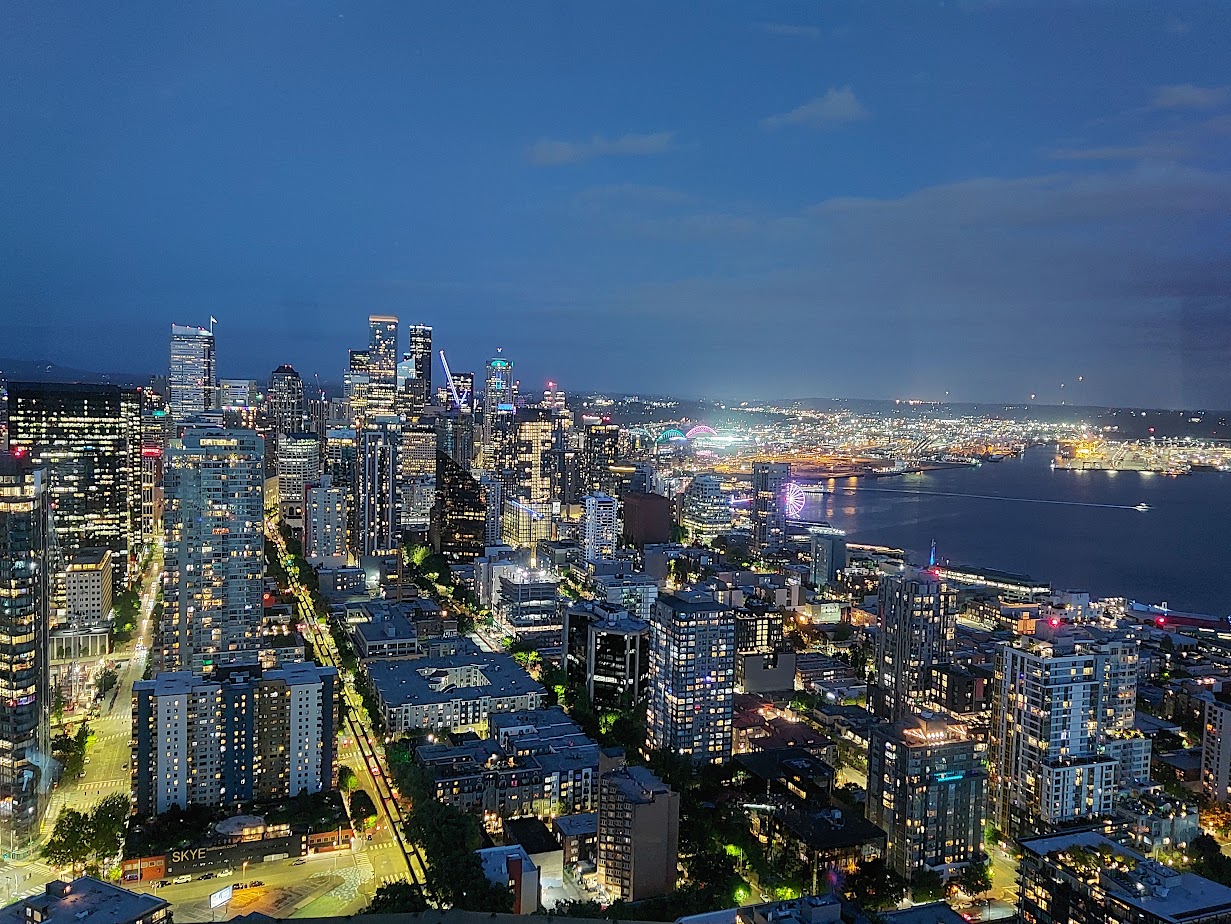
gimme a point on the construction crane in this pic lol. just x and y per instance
(449, 378)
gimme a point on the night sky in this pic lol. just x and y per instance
(987, 199)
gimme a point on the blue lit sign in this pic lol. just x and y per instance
(950, 777)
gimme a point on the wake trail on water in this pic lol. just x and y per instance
(994, 497)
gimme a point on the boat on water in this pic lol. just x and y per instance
(1142, 507)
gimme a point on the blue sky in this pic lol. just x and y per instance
(746, 200)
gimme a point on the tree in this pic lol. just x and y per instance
(874, 886)
(926, 886)
(362, 808)
(397, 898)
(976, 878)
(108, 824)
(346, 778)
(69, 844)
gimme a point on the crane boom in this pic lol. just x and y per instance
(449, 378)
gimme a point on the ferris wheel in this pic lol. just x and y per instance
(793, 500)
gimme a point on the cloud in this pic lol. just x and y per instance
(789, 29)
(839, 106)
(1144, 151)
(1189, 96)
(549, 153)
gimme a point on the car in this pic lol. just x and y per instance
(180, 880)
(255, 883)
(125, 767)
(81, 775)
(226, 872)
(205, 876)
(300, 862)
(87, 760)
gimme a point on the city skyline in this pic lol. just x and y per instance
(290, 171)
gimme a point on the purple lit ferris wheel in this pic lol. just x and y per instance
(793, 500)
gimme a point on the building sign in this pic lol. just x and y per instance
(221, 897)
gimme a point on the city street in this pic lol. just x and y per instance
(392, 856)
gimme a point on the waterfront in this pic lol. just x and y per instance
(1074, 529)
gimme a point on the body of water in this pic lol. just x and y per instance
(1077, 530)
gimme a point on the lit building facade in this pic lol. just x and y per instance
(27, 560)
(602, 526)
(242, 735)
(284, 402)
(88, 438)
(638, 833)
(213, 519)
(692, 676)
(1062, 734)
(917, 628)
(706, 509)
(191, 375)
(382, 365)
(829, 555)
(769, 480)
(324, 523)
(927, 790)
(379, 486)
(459, 516)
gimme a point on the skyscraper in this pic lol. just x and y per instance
(88, 438)
(356, 383)
(497, 405)
(191, 376)
(298, 465)
(917, 627)
(379, 486)
(706, 508)
(692, 676)
(927, 790)
(600, 451)
(768, 516)
(1062, 736)
(382, 364)
(26, 563)
(459, 525)
(214, 494)
(421, 354)
(601, 526)
(341, 464)
(829, 554)
(324, 523)
(417, 462)
(284, 401)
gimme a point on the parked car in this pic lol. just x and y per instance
(180, 880)
(205, 876)
(256, 882)
(300, 862)
(226, 872)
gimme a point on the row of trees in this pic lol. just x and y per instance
(89, 840)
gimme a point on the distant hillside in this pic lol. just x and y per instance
(25, 370)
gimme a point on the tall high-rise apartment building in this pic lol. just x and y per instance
(1216, 749)
(242, 735)
(927, 790)
(27, 560)
(284, 401)
(602, 526)
(191, 375)
(238, 393)
(692, 676)
(418, 474)
(382, 365)
(298, 465)
(638, 832)
(88, 438)
(213, 518)
(324, 523)
(356, 382)
(1062, 734)
(379, 486)
(769, 481)
(829, 555)
(706, 508)
(917, 626)
(600, 452)
(341, 464)
(531, 482)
